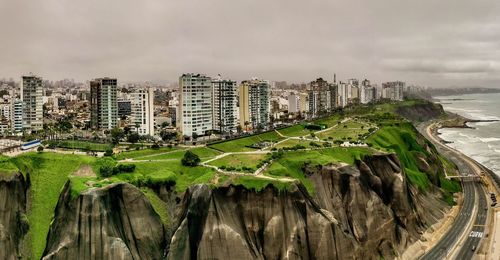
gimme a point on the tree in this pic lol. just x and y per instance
(190, 159)
(239, 129)
(40, 149)
(116, 135)
(133, 138)
(195, 136)
(108, 152)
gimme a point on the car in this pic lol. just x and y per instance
(473, 248)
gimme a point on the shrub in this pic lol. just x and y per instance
(106, 171)
(108, 152)
(313, 144)
(155, 146)
(126, 167)
(40, 149)
(190, 159)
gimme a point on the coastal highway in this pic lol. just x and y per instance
(470, 211)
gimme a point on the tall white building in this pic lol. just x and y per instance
(32, 98)
(17, 116)
(142, 111)
(195, 104)
(254, 103)
(225, 110)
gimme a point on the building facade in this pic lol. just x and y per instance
(393, 90)
(142, 111)
(225, 110)
(254, 104)
(103, 103)
(32, 100)
(17, 116)
(195, 104)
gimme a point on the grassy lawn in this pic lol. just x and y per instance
(204, 153)
(295, 131)
(144, 152)
(48, 172)
(239, 161)
(243, 144)
(294, 142)
(159, 205)
(291, 164)
(346, 131)
(81, 145)
(329, 121)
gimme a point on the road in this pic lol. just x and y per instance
(470, 211)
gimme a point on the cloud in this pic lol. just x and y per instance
(416, 41)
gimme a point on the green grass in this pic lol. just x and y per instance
(259, 184)
(204, 153)
(81, 145)
(295, 131)
(291, 164)
(240, 160)
(133, 154)
(7, 167)
(350, 130)
(242, 144)
(293, 142)
(48, 172)
(159, 205)
(329, 121)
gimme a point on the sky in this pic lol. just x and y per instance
(432, 43)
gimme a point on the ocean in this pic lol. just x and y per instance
(483, 142)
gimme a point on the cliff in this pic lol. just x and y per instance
(362, 211)
(114, 222)
(357, 212)
(421, 111)
(13, 221)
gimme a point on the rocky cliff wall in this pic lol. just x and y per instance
(13, 221)
(362, 211)
(114, 222)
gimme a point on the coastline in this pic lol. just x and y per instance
(490, 180)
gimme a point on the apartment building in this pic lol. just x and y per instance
(142, 111)
(31, 93)
(195, 104)
(254, 104)
(103, 103)
(225, 110)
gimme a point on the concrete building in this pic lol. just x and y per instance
(124, 108)
(195, 104)
(17, 116)
(32, 98)
(319, 98)
(103, 103)
(225, 110)
(293, 103)
(254, 104)
(393, 90)
(142, 111)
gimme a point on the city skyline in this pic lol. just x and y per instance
(292, 40)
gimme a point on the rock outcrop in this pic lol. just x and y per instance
(236, 223)
(13, 221)
(421, 111)
(374, 202)
(114, 222)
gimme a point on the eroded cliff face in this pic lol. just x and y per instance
(357, 212)
(234, 223)
(114, 222)
(374, 202)
(13, 221)
(361, 211)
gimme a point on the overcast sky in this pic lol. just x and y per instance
(428, 42)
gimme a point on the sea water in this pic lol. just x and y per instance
(483, 142)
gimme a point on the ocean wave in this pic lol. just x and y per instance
(489, 139)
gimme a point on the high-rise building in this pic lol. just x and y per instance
(195, 104)
(225, 98)
(293, 103)
(32, 99)
(103, 103)
(124, 108)
(393, 90)
(322, 97)
(142, 111)
(254, 103)
(17, 116)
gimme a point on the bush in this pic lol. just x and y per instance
(190, 159)
(155, 146)
(106, 171)
(40, 149)
(126, 167)
(108, 152)
(313, 144)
